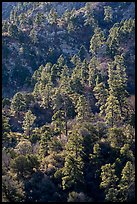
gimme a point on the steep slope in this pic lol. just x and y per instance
(40, 32)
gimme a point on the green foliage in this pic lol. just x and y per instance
(100, 93)
(93, 71)
(18, 103)
(83, 110)
(46, 135)
(127, 183)
(28, 122)
(109, 180)
(24, 166)
(116, 137)
(108, 13)
(97, 40)
(82, 53)
(68, 131)
(13, 30)
(52, 17)
(73, 167)
(12, 190)
(78, 197)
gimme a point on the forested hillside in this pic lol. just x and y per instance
(68, 104)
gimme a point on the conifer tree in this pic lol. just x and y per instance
(109, 182)
(60, 63)
(92, 67)
(83, 110)
(54, 71)
(45, 139)
(112, 111)
(90, 15)
(121, 84)
(100, 93)
(113, 116)
(84, 71)
(82, 53)
(18, 103)
(28, 122)
(113, 41)
(75, 60)
(65, 79)
(127, 183)
(108, 13)
(97, 40)
(73, 167)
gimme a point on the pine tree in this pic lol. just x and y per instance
(90, 15)
(76, 60)
(127, 183)
(97, 40)
(92, 67)
(112, 111)
(45, 139)
(13, 30)
(117, 88)
(73, 167)
(113, 41)
(58, 120)
(65, 79)
(83, 110)
(108, 13)
(53, 20)
(84, 71)
(60, 63)
(54, 76)
(113, 114)
(121, 84)
(18, 103)
(28, 122)
(46, 94)
(82, 53)
(109, 182)
(100, 93)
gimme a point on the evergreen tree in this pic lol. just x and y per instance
(45, 139)
(60, 63)
(28, 122)
(54, 76)
(112, 111)
(113, 41)
(121, 84)
(90, 15)
(65, 79)
(83, 110)
(75, 60)
(18, 103)
(108, 13)
(73, 167)
(82, 52)
(97, 41)
(5, 26)
(12, 189)
(33, 36)
(113, 114)
(127, 183)
(13, 30)
(100, 93)
(109, 182)
(92, 67)
(84, 71)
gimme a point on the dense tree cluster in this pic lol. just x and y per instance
(72, 137)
